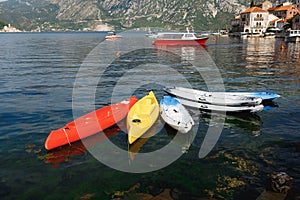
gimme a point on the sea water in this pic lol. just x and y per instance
(48, 79)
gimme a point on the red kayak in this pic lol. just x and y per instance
(64, 153)
(89, 124)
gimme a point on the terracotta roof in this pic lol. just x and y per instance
(282, 8)
(253, 9)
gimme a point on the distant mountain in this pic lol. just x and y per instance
(120, 14)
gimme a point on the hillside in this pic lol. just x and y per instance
(120, 14)
(2, 24)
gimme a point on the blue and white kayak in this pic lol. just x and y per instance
(222, 98)
(265, 96)
(175, 114)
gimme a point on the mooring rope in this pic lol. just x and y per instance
(67, 136)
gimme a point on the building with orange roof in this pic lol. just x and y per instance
(254, 20)
(285, 11)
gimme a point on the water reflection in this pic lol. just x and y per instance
(64, 153)
(138, 144)
(249, 122)
(184, 140)
(273, 58)
(186, 53)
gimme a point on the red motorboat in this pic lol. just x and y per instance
(89, 124)
(179, 38)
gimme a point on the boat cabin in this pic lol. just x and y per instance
(294, 33)
(177, 36)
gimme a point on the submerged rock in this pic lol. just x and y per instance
(279, 182)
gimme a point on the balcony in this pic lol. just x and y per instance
(258, 19)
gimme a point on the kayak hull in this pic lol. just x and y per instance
(231, 98)
(175, 114)
(220, 108)
(216, 98)
(89, 124)
(142, 116)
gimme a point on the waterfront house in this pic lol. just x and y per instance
(254, 21)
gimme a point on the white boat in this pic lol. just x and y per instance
(293, 36)
(265, 96)
(269, 35)
(243, 34)
(112, 36)
(175, 114)
(151, 34)
(213, 98)
(221, 108)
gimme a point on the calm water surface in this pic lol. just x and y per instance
(38, 72)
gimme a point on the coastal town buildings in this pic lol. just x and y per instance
(258, 20)
(286, 11)
(10, 28)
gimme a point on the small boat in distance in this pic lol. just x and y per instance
(179, 38)
(112, 36)
(151, 34)
(293, 36)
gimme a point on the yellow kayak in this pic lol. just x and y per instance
(142, 116)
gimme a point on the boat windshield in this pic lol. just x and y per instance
(188, 35)
(171, 36)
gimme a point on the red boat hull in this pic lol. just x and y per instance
(63, 154)
(165, 42)
(89, 124)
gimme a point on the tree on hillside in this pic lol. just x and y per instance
(251, 4)
(2, 24)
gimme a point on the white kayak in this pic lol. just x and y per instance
(221, 108)
(230, 97)
(214, 98)
(175, 114)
